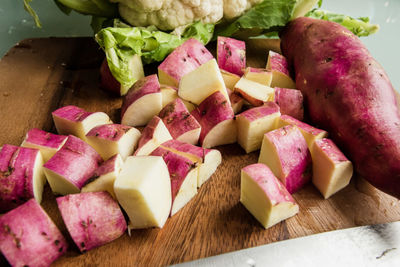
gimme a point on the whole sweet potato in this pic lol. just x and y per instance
(348, 94)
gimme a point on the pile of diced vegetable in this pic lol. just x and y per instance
(96, 165)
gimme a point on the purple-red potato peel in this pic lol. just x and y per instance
(111, 139)
(208, 160)
(28, 236)
(231, 55)
(184, 59)
(237, 101)
(285, 152)
(264, 195)
(180, 123)
(290, 102)
(76, 121)
(47, 143)
(21, 176)
(69, 169)
(153, 135)
(104, 176)
(183, 174)
(216, 118)
(142, 102)
(278, 65)
(348, 79)
(310, 133)
(91, 229)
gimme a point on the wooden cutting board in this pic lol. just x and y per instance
(39, 75)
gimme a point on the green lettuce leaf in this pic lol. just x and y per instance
(359, 26)
(263, 17)
(121, 43)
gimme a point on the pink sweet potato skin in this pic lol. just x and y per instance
(28, 237)
(92, 219)
(16, 176)
(231, 54)
(76, 161)
(348, 94)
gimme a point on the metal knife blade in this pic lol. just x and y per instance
(374, 245)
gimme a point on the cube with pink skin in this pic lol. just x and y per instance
(69, 169)
(104, 176)
(111, 139)
(286, 153)
(28, 236)
(92, 219)
(332, 170)
(231, 55)
(183, 173)
(208, 160)
(279, 67)
(180, 123)
(310, 133)
(253, 123)
(265, 196)
(153, 135)
(216, 118)
(21, 176)
(142, 102)
(184, 59)
(77, 121)
(47, 143)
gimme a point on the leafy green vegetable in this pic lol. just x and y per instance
(360, 26)
(32, 12)
(121, 44)
(265, 16)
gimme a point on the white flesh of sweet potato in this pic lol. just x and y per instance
(253, 123)
(142, 102)
(279, 67)
(154, 134)
(332, 171)
(104, 177)
(143, 188)
(264, 196)
(202, 82)
(254, 92)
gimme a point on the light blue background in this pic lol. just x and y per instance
(16, 24)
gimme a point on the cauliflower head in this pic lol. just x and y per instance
(171, 14)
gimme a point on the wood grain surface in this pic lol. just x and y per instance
(39, 75)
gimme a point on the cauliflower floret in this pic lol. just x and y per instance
(171, 14)
(236, 8)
